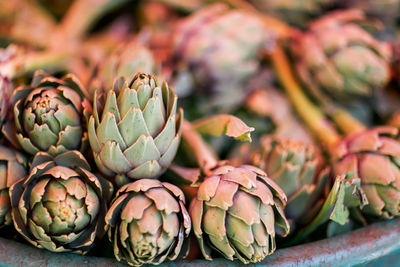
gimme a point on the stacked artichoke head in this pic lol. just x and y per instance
(373, 156)
(148, 222)
(339, 58)
(235, 213)
(61, 205)
(51, 115)
(135, 131)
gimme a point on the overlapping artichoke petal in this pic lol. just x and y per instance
(147, 222)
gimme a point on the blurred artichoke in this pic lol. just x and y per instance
(235, 213)
(385, 10)
(12, 169)
(61, 205)
(134, 131)
(294, 166)
(51, 114)
(221, 48)
(340, 58)
(125, 60)
(374, 157)
(295, 12)
(148, 222)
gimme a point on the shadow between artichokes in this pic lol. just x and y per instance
(148, 222)
(134, 131)
(61, 205)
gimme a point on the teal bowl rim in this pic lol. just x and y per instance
(358, 247)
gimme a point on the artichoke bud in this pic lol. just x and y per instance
(337, 57)
(61, 205)
(134, 131)
(148, 222)
(295, 167)
(221, 49)
(235, 213)
(51, 115)
(12, 169)
(374, 158)
(127, 59)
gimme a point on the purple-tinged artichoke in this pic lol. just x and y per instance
(51, 114)
(221, 49)
(61, 205)
(373, 156)
(12, 169)
(338, 58)
(135, 131)
(235, 213)
(148, 222)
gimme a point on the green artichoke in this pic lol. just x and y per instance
(235, 213)
(338, 58)
(51, 114)
(221, 48)
(12, 169)
(61, 205)
(373, 156)
(134, 131)
(294, 166)
(125, 60)
(148, 222)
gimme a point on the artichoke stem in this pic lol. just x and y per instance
(206, 157)
(36, 61)
(346, 122)
(309, 113)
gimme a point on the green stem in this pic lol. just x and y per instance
(308, 112)
(34, 61)
(206, 157)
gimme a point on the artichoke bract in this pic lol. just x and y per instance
(51, 114)
(235, 213)
(338, 58)
(135, 131)
(12, 169)
(294, 166)
(148, 222)
(61, 205)
(373, 156)
(221, 49)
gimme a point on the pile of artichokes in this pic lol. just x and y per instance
(290, 133)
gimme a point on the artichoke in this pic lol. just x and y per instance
(148, 222)
(61, 205)
(340, 58)
(12, 169)
(294, 166)
(294, 12)
(235, 213)
(373, 156)
(51, 114)
(125, 60)
(134, 131)
(221, 48)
